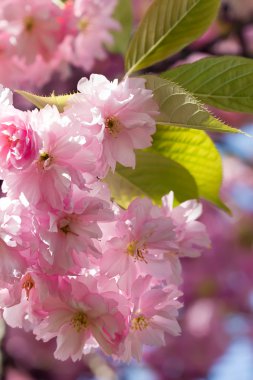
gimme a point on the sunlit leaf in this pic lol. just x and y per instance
(154, 176)
(60, 101)
(168, 26)
(196, 152)
(180, 108)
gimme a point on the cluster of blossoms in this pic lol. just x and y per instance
(50, 35)
(74, 265)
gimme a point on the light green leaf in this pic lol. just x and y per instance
(196, 152)
(124, 15)
(223, 82)
(154, 176)
(60, 101)
(168, 26)
(180, 108)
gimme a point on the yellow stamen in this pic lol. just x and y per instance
(45, 159)
(139, 323)
(79, 321)
(82, 24)
(136, 252)
(44, 156)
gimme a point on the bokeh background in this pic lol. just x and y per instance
(217, 318)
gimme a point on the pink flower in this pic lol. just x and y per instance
(91, 25)
(32, 26)
(142, 236)
(74, 265)
(22, 307)
(154, 314)
(12, 246)
(191, 235)
(29, 75)
(18, 145)
(121, 115)
(63, 157)
(82, 317)
(48, 36)
(10, 73)
(16, 73)
(17, 140)
(71, 236)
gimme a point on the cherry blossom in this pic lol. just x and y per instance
(153, 315)
(121, 115)
(81, 316)
(75, 266)
(62, 157)
(191, 235)
(92, 24)
(51, 36)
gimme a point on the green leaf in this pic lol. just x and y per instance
(167, 27)
(124, 15)
(60, 101)
(154, 176)
(181, 109)
(223, 82)
(196, 152)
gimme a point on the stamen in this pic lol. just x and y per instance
(64, 225)
(138, 253)
(113, 126)
(82, 24)
(44, 156)
(45, 159)
(29, 23)
(79, 321)
(65, 229)
(139, 323)
(27, 284)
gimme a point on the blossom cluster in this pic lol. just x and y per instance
(50, 35)
(74, 265)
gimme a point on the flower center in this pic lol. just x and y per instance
(113, 126)
(79, 321)
(82, 24)
(28, 24)
(65, 229)
(44, 156)
(139, 323)
(27, 284)
(45, 159)
(64, 225)
(138, 253)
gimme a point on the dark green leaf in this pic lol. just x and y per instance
(223, 82)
